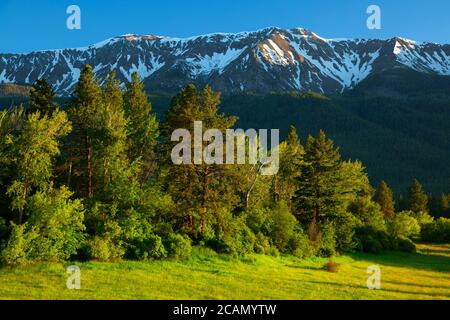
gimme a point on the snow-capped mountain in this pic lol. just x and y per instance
(271, 59)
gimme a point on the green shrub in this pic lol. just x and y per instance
(231, 235)
(178, 246)
(3, 230)
(149, 248)
(327, 246)
(405, 244)
(344, 232)
(403, 224)
(437, 231)
(371, 245)
(258, 220)
(372, 240)
(104, 249)
(59, 221)
(299, 245)
(53, 231)
(282, 226)
(17, 248)
(422, 217)
(243, 242)
(262, 244)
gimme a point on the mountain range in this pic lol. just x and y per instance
(267, 60)
(384, 102)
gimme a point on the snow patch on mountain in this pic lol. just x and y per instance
(424, 57)
(216, 62)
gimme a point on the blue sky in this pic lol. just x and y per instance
(27, 25)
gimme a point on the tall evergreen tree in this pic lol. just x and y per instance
(325, 185)
(417, 198)
(42, 97)
(142, 126)
(202, 190)
(284, 184)
(85, 114)
(444, 205)
(383, 196)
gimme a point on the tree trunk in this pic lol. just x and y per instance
(69, 173)
(89, 166)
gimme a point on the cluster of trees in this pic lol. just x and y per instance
(95, 180)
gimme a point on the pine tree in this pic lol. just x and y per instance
(325, 186)
(417, 198)
(142, 127)
(203, 189)
(41, 97)
(85, 114)
(444, 205)
(284, 184)
(383, 196)
(110, 158)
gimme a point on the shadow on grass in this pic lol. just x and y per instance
(361, 287)
(400, 283)
(304, 267)
(421, 261)
(436, 252)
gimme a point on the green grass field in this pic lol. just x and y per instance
(425, 275)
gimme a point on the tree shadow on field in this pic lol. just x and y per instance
(401, 283)
(362, 287)
(420, 261)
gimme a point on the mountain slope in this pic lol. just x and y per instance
(270, 59)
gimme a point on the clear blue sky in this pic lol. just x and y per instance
(27, 25)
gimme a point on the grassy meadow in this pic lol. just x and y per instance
(423, 275)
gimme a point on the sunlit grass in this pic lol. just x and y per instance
(425, 275)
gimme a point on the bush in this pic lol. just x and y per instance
(231, 235)
(178, 246)
(299, 245)
(3, 230)
(372, 240)
(403, 224)
(367, 212)
(405, 244)
(262, 244)
(437, 231)
(16, 251)
(53, 232)
(258, 220)
(327, 246)
(149, 248)
(331, 266)
(422, 217)
(243, 242)
(282, 227)
(371, 245)
(104, 249)
(344, 232)
(59, 221)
